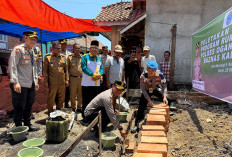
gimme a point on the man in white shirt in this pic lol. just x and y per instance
(114, 67)
(146, 58)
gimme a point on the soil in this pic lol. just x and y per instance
(200, 130)
(197, 130)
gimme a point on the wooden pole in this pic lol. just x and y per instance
(100, 131)
(79, 138)
(173, 51)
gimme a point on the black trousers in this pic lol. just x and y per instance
(88, 93)
(22, 103)
(143, 105)
(105, 118)
(104, 85)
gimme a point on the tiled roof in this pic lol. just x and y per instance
(115, 11)
(82, 41)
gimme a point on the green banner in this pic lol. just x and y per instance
(212, 58)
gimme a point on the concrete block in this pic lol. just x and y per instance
(153, 148)
(154, 133)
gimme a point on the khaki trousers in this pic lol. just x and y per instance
(59, 91)
(75, 91)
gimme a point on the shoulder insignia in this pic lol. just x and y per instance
(17, 50)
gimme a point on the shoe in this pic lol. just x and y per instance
(84, 122)
(33, 128)
(78, 110)
(135, 129)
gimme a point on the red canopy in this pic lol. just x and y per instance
(36, 13)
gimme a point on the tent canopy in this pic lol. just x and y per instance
(38, 14)
(16, 30)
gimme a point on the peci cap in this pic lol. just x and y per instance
(63, 41)
(94, 42)
(105, 48)
(118, 48)
(146, 48)
(119, 84)
(31, 34)
(152, 65)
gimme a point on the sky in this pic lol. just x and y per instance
(87, 9)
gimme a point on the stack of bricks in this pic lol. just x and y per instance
(154, 141)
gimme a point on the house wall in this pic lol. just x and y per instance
(189, 15)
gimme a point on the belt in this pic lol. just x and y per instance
(76, 76)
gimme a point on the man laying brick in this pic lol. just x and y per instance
(106, 103)
(149, 81)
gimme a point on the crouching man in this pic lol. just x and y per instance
(149, 81)
(106, 103)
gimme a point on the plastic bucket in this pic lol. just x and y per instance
(30, 152)
(122, 116)
(108, 139)
(35, 142)
(19, 133)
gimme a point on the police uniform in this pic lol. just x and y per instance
(23, 71)
(75, 73)
(38, 60)
(55, 75)
(149, 85)
(103, 59)
(66, 53)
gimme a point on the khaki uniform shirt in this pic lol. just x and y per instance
(74, 65)
(55, 69)
(23, 68)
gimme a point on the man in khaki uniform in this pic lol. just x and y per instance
(75, 73)
(66, 53)
(55, 76)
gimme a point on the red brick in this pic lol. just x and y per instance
(130, 148)
(154, 140)
(154, 133)
(153, 128)
(147, 155)
(152, 148)
(158, 112)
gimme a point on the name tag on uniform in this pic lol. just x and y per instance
(150, 90)
(52, 64)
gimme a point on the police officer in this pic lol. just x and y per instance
(75, 73)
(66, 53)
(24, 80)
(149, 81)
(106, 103)
(104, 57)
(55, 76)
(92, 69)
(38, 60)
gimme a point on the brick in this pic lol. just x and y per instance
(152, 148)
(158, 112)
(130, 148)
(156, 119)
(147, 155)
(153, 128)
(158, 109)
(154, 133)
(154, 140)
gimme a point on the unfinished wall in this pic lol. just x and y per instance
(189, 15)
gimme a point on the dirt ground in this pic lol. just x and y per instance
(197, 130)
(200, 130)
